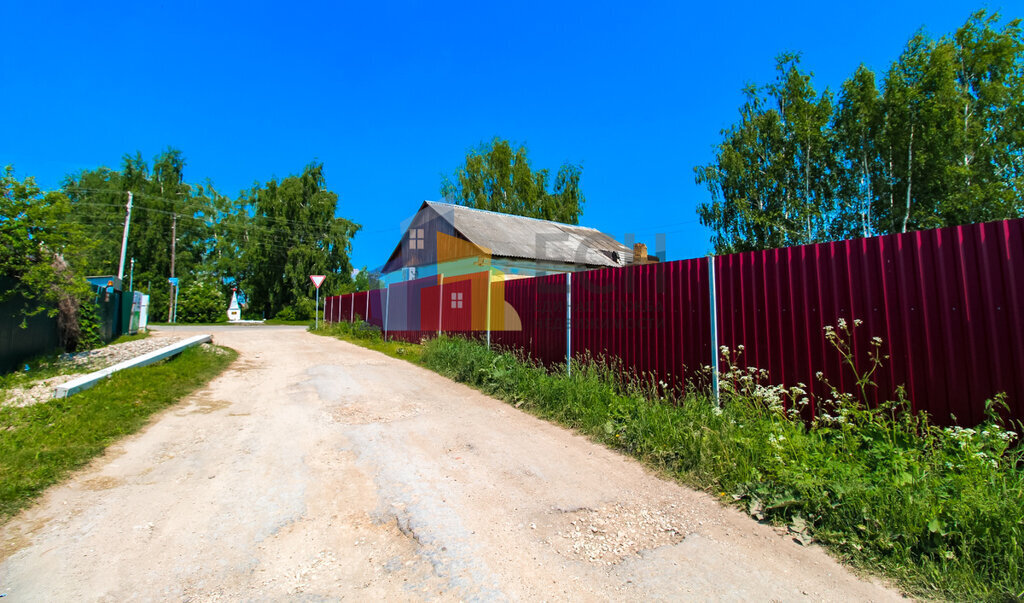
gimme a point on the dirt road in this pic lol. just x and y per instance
(316, 470)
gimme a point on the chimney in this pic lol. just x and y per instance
(639, 253)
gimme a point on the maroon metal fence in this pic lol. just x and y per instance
(537, 307)
(654, 318)
(947, 305)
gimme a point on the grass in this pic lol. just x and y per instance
(41, 444)
(369, 336)
(938, 510)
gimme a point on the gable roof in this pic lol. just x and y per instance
(505, 235)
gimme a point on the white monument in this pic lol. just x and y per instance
(234, 312)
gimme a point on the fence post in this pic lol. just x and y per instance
(488, 308)
(568, 323)
(367, 317)
(440, 304)
(352, 312)
(714, 330)
(387, 308)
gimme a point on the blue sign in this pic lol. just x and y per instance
(173, 281)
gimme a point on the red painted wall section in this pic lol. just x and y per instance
(451, 302)
(538, 306)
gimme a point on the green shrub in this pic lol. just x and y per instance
(202, 301)
(302, 309)
(361, 330)
(89, 327)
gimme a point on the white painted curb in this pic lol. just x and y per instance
(86, 381)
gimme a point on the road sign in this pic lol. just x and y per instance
(173, 281)
(318, 279)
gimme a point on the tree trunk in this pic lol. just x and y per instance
(807, 192)
(967, 158)
(910, 176)
(866, 214)
(892, 196)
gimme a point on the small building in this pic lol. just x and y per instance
(448, 239)
(234, 310)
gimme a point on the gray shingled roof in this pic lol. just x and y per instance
(519, 237)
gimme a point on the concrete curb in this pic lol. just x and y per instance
(86, 381)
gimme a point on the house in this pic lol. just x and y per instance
(450, 240)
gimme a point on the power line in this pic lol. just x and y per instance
(271, 232)
(183, 201)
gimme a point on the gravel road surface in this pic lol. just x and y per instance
(316, 470)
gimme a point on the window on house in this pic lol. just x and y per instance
(457, 300)
(415, 238)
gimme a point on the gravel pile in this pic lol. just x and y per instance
(76, 365)
(608, 535)
(93, 360)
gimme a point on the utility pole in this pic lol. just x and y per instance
(174, 241)
(131, 276)
(124, 240)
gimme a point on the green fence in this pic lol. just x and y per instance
(24, 337)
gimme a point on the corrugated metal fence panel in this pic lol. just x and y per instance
(376, 307)
(345, 308)
(359, 302)
(533, 318)
(403, 312)
(328, 304)
(946, 304)
(341, 310)
(450, 302)
(430, 304)
(654, 318)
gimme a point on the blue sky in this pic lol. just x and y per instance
(391, 95)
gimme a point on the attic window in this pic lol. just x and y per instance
(457, 300)
(415, 238)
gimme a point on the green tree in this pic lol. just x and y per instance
(938, 143)
(293, 232)
(772, 181)
(987, 171)
(164, 206)
(498, 177)
(363, 281)
(38, 246)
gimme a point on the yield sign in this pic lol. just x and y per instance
(318, 279)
